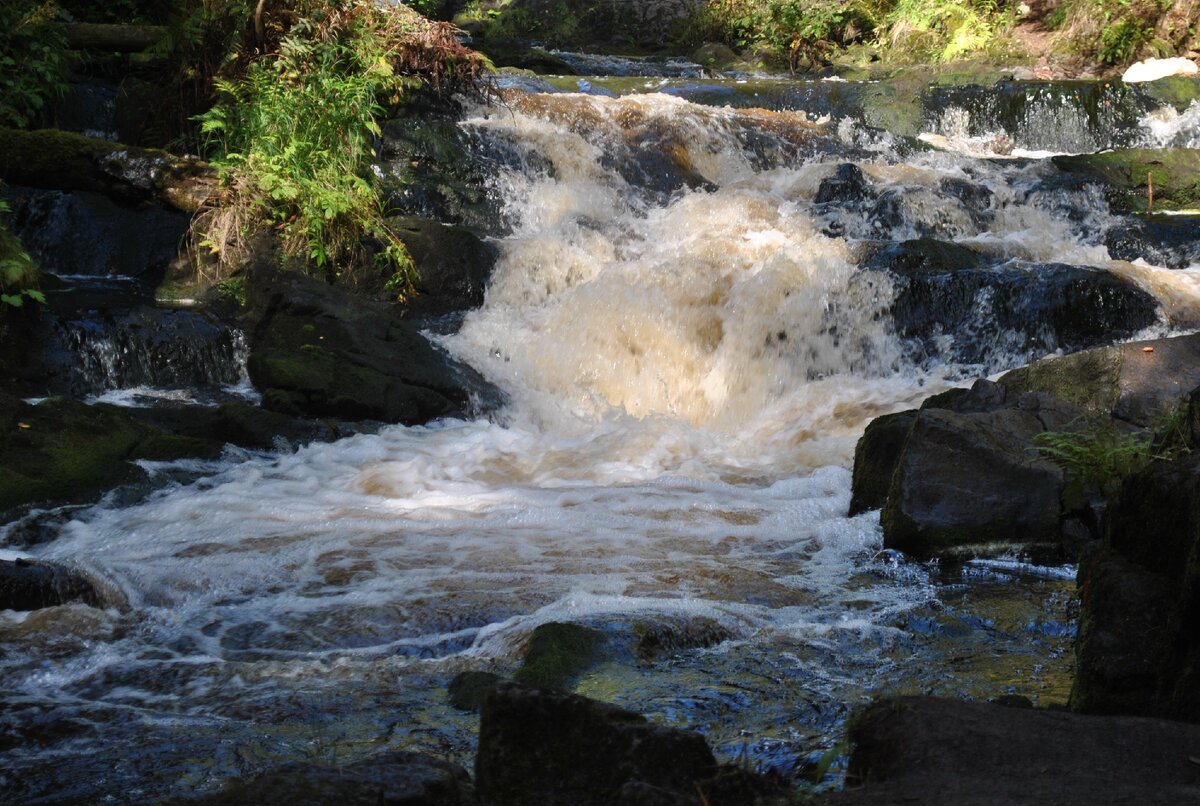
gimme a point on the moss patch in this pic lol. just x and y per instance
(557, 654)
(1128, 174)
(1089, 380)
(64, 450)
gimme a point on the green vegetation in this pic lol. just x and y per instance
(1099, 455)
(18, 274)
(788, 31)
(1117, 33)
(294, 131)
(32, 61)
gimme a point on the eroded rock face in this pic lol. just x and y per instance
(391, 779)
(546, 747)
(319, 351)
(1139, 641)
(940, 751)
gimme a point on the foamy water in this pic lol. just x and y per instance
(690, 358)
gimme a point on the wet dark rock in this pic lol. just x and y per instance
(80, 352)
(453, 265)
(89, 234)
(31, 585)
(967, 481)
(948, 753)
(875, 458)
(468, 690)
(1169, 241)
(547, 747)
(62, 450)
(664, 637)
(951, 304)
(558, 653)
(242, 424)
(1071, 116)
(848, 185)
(1128, 173)
(429, 173)
(391, 779)
(1139, 640)
(1137, 383)
(320, 351)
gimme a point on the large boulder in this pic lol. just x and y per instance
(968, 478)
(950, 753)
(391, 779)
(547, 747)
(1139, 641)
(319, 351)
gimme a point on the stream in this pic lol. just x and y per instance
(690, 350)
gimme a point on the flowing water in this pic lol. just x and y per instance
(690, 353)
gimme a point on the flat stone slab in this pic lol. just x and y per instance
(938, 751)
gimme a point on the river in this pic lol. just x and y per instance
(690, 352)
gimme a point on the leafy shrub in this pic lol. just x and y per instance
(18, 274)
(295, 133)
(787, 31)
(32, 61)
(944, 30)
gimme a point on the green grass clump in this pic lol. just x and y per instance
(18, 273)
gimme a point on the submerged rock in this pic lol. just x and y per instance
(1169, 241)
(31, 585)
(948, 752)
(320, 351)
(391, 779)
(545, 747)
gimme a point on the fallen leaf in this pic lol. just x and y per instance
(1147, 349)
(24, 425)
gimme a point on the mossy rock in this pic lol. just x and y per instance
(468, 689)
(557, 654)
(1176, 91)
(1128, 174)
(63, 450)
(1090, 380)
(894, 106)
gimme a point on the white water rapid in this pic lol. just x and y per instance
(690, 355)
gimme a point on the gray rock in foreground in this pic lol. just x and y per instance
(391, 779)
(936, 751)
(549, 747)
